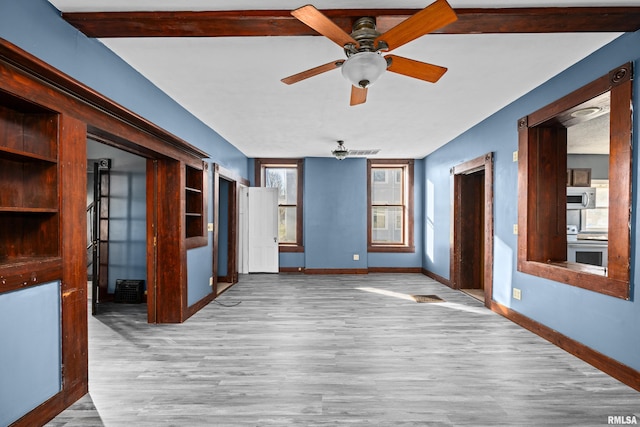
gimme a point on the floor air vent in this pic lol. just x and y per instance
(427, 298)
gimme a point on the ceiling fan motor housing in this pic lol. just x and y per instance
(364, 65)
(365, 33)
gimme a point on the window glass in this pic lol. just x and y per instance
(387, 224)
(287, 224)
(390, 205)
(386, 186)
(285, 180)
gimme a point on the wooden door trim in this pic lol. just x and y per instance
(235, 181)
(152, 239)
(485, 163)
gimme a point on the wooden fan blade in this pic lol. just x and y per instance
(416, 69)
(432, 17)
(312, 72)
(325, 26)
(358, 95)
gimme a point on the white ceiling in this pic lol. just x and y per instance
(233, 84)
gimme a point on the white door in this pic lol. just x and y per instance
(263, 230)
(243, 231)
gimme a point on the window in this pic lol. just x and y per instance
(542, 179)
(390, 205)
(286, 176)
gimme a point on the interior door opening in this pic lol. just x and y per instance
(472, 228)
(472, 234)
(227, 270)
(117, 232)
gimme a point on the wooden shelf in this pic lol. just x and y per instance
(28, 263)
(21, 156)
(10, 209)
(21, 272)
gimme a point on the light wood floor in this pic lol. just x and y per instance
(318, 351)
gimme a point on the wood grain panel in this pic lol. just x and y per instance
(171, 286)
(619, 249)
(264, 23)
(73, 180)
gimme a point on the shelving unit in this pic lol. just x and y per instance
(29, 200)
(194, 205)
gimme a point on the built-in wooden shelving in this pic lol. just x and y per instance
(29, 195)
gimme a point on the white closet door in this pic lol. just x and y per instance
(263, 230)
(243, 230)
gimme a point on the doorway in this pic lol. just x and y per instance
(98, 179)
(472, 228)
(226, 228)
(116, 222)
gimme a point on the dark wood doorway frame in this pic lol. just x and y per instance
(472, 226)
(230, 203)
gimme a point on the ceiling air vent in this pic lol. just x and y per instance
(363, 153)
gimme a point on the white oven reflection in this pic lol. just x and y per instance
(586, 248)
(594, 253)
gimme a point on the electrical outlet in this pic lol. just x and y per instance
(515, 229)
(210, 226)
(515, 156)
(211, 281)
(356, 257)
(517, 294)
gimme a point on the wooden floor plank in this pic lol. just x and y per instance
(318, 351)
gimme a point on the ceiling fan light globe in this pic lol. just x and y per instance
(364, 68)
(340, 154)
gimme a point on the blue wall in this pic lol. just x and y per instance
(608, 325)
(335, 213)
(30, 357)
(335, 218)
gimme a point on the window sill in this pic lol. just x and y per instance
(391, 248)
(589, 277)
(291, 248)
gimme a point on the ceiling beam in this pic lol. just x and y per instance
(262, 23)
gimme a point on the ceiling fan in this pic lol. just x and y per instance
(364, 47)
